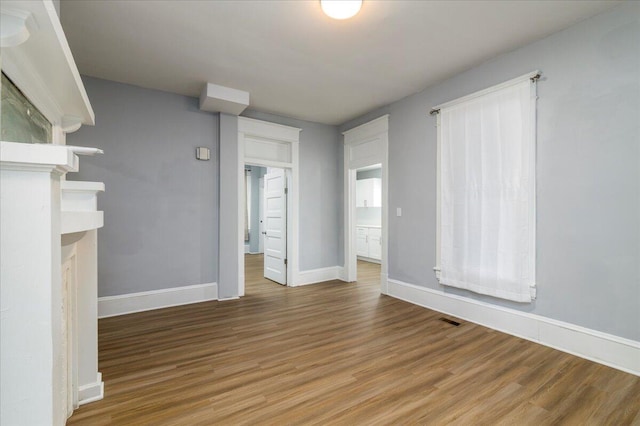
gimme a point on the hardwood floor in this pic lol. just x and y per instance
(337, 353)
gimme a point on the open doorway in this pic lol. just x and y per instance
(368, 221)
(365, 150)
(254, 237)
(270, 145)
(266, 208)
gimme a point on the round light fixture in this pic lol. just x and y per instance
(341, 9)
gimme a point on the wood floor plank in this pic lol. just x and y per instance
(339, 353)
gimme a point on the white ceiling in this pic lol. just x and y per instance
(293, 59)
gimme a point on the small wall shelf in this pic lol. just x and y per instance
(79, 206)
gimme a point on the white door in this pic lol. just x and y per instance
(261, 216)
(275, 226)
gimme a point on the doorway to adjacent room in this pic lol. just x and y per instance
(265, 234)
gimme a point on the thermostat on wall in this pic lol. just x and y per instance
(203, 153)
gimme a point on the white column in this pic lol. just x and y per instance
(229, 274)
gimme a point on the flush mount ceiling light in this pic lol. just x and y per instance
(341, 9)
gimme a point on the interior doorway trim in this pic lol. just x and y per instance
(365, 145)
(265, 144)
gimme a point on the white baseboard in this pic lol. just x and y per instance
(342, 276)
(369, 259)
(91, 392)
(384, 283)
(110, 306)
(247, 248)
(314, 276)
(613, 351)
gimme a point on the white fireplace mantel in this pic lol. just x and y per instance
(48, 232)
(48, 291)
(80, 220)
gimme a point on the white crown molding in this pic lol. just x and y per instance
(613, 351)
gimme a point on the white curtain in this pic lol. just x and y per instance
(487, 193)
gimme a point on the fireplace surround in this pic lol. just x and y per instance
(48, 231)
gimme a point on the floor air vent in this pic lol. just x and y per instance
(448, 321)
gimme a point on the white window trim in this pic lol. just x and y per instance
(532, 76)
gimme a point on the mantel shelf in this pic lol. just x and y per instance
(79, 221)
(17, 155)
(79, 205)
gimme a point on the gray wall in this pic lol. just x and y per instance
(320, 191)
(160, 204)
(588, 172)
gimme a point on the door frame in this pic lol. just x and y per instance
(260, 215)
(265, 144)
(365, 145)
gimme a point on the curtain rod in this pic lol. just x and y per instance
(533, 79)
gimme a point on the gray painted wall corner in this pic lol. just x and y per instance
(160, 203)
